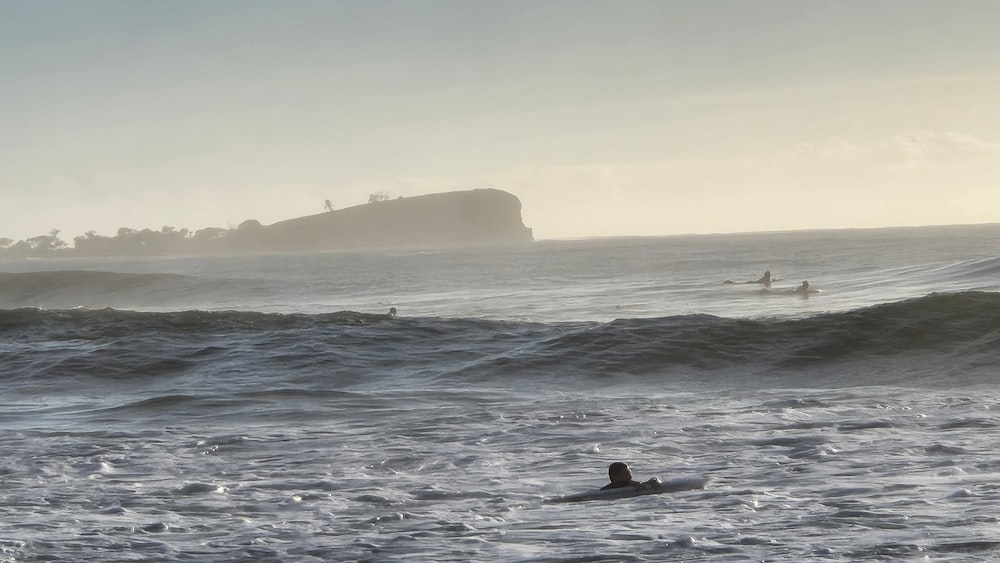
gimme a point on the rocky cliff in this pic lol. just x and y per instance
(473, 217)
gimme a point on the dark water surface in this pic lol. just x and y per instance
(266, 408)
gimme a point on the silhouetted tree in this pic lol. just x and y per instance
(209, 233)
(20, 248)
(46, 244)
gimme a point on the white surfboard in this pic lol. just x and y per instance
(652, 487)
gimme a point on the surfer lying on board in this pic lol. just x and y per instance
(764, 280)
(621, 476)
(803, 289)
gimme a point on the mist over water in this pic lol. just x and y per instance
(579, 280)
(268, 408)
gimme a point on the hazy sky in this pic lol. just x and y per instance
(609, 117)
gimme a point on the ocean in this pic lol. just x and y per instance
(267, 408)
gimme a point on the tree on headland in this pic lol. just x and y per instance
(378, 197)
(209, 233)
(126, 242)
(45, 244)
(328, 205)
(93, 244)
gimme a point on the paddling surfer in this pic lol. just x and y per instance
(764, 280)
(621, 476)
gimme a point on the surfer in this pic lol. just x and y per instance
(803, 289)
(392, 312)
(764, 280)
(621, 476)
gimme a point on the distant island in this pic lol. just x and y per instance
(460, 218)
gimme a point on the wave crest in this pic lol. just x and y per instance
(941, 337)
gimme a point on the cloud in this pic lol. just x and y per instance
(924, 145)
(916, 146)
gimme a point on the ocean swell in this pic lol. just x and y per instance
(955, 335)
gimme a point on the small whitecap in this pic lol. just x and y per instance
(684, 542)
(963, 493)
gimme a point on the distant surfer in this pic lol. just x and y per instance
(621, 476)
(802, 289)
(764, 280)
(392, 312)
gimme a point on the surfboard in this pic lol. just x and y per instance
(789, 291)
(652, 487)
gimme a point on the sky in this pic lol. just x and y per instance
(606, 118)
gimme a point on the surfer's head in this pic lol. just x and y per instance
(620, 472)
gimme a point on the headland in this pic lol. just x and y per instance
(459, 218)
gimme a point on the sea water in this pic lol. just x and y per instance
(267, 408)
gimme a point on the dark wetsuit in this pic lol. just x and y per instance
(622, 485)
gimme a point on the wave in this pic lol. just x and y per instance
(983, 268)
(101, 322)
(939, 338)
(952, 337)
(83, 288)
(36, 283)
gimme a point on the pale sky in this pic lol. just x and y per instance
(617, 117)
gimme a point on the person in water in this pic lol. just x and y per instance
(804, 288)
(764, 280)
(621, 476)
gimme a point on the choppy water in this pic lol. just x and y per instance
(267, 409)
